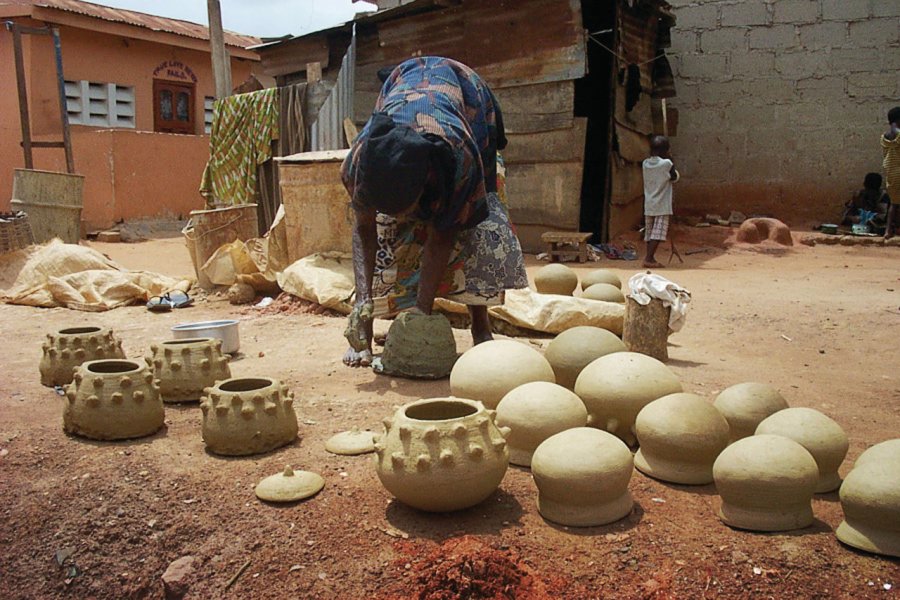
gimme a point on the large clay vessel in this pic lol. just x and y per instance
(582, 477)
(870, 497)
(680, 435)
(113, 400)
(615, 388)
(888, 451)
(248, 416)
(534, 412)
(745, 405)
(819, 434)
(186, 367)
(600, 276)
(490, 370)
(766, 483)
(441, 454)
(555, 278)
(574, 349)
(69, 348)
(419, 346)
(604, 292)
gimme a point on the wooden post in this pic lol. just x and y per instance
(220, 61)
(23, 95)
(63, 109)
(646, 328)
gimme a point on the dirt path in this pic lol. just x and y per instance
(821, 324)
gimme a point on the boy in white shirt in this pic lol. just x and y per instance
(659, 175)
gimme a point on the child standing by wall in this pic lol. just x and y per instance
(890, 145)
(659, 175)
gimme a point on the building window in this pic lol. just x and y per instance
(100, 104)
(173, 107)
(208, 102)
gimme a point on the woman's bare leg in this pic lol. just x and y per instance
(481, 324)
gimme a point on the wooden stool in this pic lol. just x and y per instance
(554, 238)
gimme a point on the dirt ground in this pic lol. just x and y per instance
(821, 324)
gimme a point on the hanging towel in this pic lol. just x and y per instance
(646, 286)
(242, 132)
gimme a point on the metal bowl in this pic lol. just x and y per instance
(225, 330)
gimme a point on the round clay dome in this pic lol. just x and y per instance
(574, 349)
(600, 276)
(885, 451)
(745, 405)
(534, 412)
(615, 388)
(490, 370)
(819, 434)
(604, 292)
(870, 498)
(680, 435)
(555, 279)
(766, 483)
(582, 477)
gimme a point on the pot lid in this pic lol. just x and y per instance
(289, 486)
(351, 442)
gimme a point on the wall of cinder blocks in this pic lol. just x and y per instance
(781, 103)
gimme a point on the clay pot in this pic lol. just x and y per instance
(604, 292)
(441, 454)
(615, 388)
(113, 400)
(555, 278)
(248, 416)
(574, 349)
(870, 498)
(534, 412)
(681, 435)
(419, 346)
(824, 439)
(185, 367)
(490, 370)
(745, 405)
(600, 276)
(69, 348)
(886, 451)
(582, 477)
(766, 483)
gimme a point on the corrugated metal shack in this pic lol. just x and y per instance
(577, 80)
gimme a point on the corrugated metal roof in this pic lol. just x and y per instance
(138, 19)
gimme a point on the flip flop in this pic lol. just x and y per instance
(160, 303)
(179, 299)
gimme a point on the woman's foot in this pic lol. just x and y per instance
(481, 325)
(352, 358)
(652, 264)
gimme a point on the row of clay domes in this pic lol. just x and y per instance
(599, 284)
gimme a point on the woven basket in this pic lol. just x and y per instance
(15, 231)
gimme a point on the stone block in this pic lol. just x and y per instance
(110, 237)
(702, 66)
(885, 8)
(720, 93)
(723, 39)
(844, 10)
(767, 90)
(822, 88)
(749, 12)
(684, 40)
(754, 63)
(796, 11)
(856, 60)
(823, 35)
(875, 33)
(777, 36)
(800, 65)
(703, 16)
(808, 114)
(872, 85)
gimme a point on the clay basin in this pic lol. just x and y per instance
(225, 330)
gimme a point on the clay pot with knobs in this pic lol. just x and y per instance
(185, 367)
(69, 348)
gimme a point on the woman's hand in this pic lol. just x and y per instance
(359, 335)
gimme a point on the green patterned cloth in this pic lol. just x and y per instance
(243, 128)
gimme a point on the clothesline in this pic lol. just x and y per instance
(613, 52)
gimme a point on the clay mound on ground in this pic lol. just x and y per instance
(754, 231)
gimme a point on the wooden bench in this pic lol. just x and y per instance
(553, 239)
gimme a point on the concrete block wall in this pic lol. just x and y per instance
(781, 102)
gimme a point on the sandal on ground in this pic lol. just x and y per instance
(179, 299)
(160, 303)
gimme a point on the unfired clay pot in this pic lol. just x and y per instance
(248, 416)
(441, 454)
(555, 278)
(490, 370)
(615, 388)
(604, 292)
(600, 276)
(582, 477)
(113, 400)
(419, 346)
(819, 434)
(69, 348)
(870, 497)
(574, 349)
(745, 405)
(185, 367)
(535, 411)
(681, 435)
(766, 483)
(888, 451)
